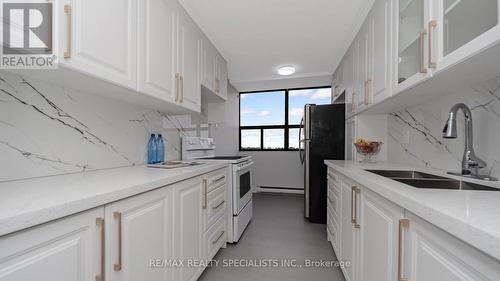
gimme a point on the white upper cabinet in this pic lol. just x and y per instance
(461, 28)
(99, 38)
(156, 53)
(208, 64)
(221, 76)
(411, 61)
(379, 82)
(187, 45)
(363, 66)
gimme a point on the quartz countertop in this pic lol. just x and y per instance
(472, 216)
(26, 203)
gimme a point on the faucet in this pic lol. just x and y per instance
(470, 162)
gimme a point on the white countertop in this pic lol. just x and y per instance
(26, 203)
(472, 216)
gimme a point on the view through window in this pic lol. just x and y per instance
(270, 120)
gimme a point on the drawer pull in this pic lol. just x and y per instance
(100, 223)
(218, 238)
(118, 216)
(218, 180)
(220, 204)
(205, 190)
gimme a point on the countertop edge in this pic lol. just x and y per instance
(464, 231)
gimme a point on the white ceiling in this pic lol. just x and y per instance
(258, 36)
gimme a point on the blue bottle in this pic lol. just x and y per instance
(152, 149)
(160, 149)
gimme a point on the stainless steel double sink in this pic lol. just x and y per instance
(429, 181)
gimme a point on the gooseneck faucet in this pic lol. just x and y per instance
(470, 162)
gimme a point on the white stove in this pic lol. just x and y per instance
(240, 175)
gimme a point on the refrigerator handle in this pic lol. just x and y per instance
(301, 155)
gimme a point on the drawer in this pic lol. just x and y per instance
(216, 179)
(215, 238)
(333, 176)
(216, 205)
(333, 204)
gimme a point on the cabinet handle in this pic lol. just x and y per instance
(403, 223)
(357, 191)
(353, 198)
(354, 103)
(67, 11)
(432, 25)
(100, 223)
(220, 204)
(422, 66)
(182, 88)
(204, 204)
(218, 238)
(176, 87)
(217, 85)
(218, 180)
(118, 216)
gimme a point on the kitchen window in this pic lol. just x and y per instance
(270, 120)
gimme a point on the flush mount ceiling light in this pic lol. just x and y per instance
(286, 70)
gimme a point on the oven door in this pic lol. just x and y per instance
(242, 193)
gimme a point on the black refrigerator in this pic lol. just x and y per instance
(323, 139)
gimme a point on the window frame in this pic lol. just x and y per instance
(286, 127)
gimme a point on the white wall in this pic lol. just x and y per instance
(277, 169)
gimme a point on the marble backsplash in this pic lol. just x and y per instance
(415, 134)
(49, 130)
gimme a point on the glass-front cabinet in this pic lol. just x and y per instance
(462, 28)
(412, 53)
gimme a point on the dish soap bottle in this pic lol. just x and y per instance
(160, 149)
(152, 149)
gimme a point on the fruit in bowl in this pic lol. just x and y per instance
(367, 148)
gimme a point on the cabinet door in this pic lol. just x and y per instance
(65, 250)
(431, 254)
(411, 44)
(103, 39)
(363, 66)
(188, 59)
(379, 83)
(350, 130)
(156, 37)
(188, 227)
(221, 77)
(378, 248)
(463, 27)
(348, 233)
(208, 64)
(137, 230)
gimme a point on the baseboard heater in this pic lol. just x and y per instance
(281, 188)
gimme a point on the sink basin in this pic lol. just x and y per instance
(429, 181)
(404, 174)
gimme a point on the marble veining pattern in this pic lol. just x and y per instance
(415, 134)
(49, 130)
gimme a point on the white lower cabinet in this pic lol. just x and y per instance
(431, 254)
(348, 233)
(382, 241)
(126, 240)
(137, 231)
(378, 236)
(68, 249)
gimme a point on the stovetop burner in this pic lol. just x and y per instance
(224, 158)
